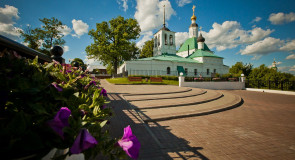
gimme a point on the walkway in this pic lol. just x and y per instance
(261, 128)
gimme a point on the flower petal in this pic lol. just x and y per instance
(83, 141)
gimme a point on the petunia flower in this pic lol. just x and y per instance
(130, 143)
(82, 142)
(59, 88)
(103, 92)
(60, 121)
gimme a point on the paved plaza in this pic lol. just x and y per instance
(173, 122)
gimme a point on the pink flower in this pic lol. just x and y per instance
(82, 142)
(130, 143)
(60, 121)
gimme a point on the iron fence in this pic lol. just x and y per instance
(171, 73)
(277, 85)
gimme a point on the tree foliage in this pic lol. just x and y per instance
(264, 73)
(113, 41)
(42, 39)
(240, 68)
(147, 49)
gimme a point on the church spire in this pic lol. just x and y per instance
(193, 29)
(164, 17)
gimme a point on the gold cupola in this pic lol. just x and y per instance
(194, 17)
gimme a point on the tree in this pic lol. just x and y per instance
(113, 41)
(147, 49)
(44, 38)
(80, 62)
(240, 68)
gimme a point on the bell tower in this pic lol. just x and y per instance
(164, 40)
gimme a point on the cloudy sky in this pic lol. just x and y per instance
(250, 31)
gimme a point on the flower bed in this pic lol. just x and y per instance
(53, 106)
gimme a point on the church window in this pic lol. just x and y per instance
(208, 71)
(214, 71)
(196, 72)
(166, 41)
(158, 40)
(171, 40)
(185, 70)
(168, 70)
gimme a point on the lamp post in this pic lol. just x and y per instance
(181, 79)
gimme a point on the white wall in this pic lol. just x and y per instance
(215, 85)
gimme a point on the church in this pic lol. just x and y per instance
(193, 59)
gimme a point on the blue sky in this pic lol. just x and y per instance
(251, 31)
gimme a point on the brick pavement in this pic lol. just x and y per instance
(262, 128)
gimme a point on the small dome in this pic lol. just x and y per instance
(201, 38)
(193, 17)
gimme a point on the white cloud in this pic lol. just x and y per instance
(230, 34)
(79, 27)
(149, 14)
(291, 56)
(257, 19)
(181, 3)
(288, 69)
(66, 48)
(65, 30)
(289, 46)
(145, 37)
(93, 64)
(281, 18)
(8, 15)
(180, 38)
(124, 4)
(266, 46)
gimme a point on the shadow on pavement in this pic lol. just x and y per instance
(157, 142)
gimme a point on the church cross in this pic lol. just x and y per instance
(164, 16)
(194, 9)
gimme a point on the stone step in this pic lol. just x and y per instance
(210, 95)
(228, 101)
(192, 93)
(158, 91)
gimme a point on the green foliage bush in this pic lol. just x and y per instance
(28, 100)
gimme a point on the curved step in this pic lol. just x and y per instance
(227, 102)
(167, 103)
(192, 93)
(159, 93)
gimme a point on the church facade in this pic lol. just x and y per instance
(193, 59)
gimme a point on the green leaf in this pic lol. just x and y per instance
(103, 123)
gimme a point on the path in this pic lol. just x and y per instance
(261, 128)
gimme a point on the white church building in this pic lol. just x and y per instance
(193, 58)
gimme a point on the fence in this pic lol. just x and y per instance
(172, 73)
(277, 85)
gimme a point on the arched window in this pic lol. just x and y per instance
(158, 40)
(166, 41)
(185, 70)
(208, 71)
(214, 71)
(196, 72)
(171, 40)
(168, 70)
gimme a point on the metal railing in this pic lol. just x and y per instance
(277, 85)
(172, 73)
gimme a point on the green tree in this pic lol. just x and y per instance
(42, 39)
(114, 42)
(240, 68)
(147, 49)
(265, 74)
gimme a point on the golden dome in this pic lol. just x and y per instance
(193, 17)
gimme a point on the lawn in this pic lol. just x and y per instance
(126, 81)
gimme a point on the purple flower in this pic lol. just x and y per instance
(82, 75)
(130, 143)
(92, 82)
(60, 120)
(103, 107)
(59, 88)
(82, 142)
(103, 92)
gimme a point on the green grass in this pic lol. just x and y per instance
(126, 81)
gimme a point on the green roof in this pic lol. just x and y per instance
(202, 53)
(169, 57)
(193, 44)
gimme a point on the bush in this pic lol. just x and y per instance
(50, 106)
